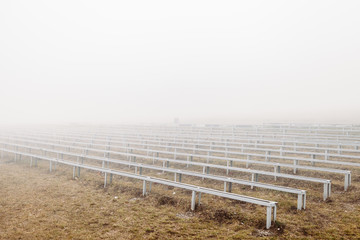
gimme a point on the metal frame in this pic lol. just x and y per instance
(270, 205)
(326, 183)
(229, 161)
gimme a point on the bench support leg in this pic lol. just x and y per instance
(299, 202)
(268, 217)
(347, 181)
(275, 208)
(193, 196)
(327, 190)
(144, 188)
(296, 162)
(230, 186)
(252, 179)
(105, 180)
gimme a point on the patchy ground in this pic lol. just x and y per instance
(36, 204)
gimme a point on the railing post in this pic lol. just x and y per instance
(299, 201)
(268, 216)
(230, 186)
(248, 157)
(252, 180)
(193, 197)
(347, 181)
(144, 188)
(296, 162)
(275, 208)
(105, 179)
(276, 170)
(326, 193)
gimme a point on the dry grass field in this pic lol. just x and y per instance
(36, 204)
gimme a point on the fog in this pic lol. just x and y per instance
(200, 61)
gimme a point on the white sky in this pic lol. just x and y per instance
(201, 61)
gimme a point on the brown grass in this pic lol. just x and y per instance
(36, 204)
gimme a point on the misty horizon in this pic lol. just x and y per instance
(86, 62)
